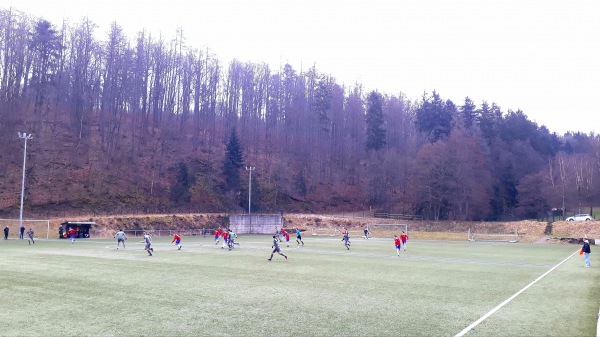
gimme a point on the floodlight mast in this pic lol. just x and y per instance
(249, 169)
(26, 137)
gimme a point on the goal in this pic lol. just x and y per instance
(493, 237)
(36, 225)
(385, 230)
(325, 231)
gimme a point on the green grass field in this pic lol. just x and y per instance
(436, 288)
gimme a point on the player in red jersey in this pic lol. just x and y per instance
(218, 233)
(225, 239)
(404, 238)
(286, 235)
(398, 244)
(72, 235)
(177, 240)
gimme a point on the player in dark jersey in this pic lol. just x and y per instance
(299, 237)
(346, 238)
(276, 249)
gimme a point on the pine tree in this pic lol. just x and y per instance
(234, 160)
(434, 117)
(469, 113)
(180, 191)
(300, 183)
(375, 131)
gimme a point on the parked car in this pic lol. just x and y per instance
(580, 217)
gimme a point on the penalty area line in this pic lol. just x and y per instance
(491, 312)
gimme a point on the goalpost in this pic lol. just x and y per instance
(386, 230)
(15, 223)
(493, 237)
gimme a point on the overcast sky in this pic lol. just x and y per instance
(538, 56)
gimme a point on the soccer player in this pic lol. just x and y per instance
(346, 239)
(120, 238)
(225, 239)
(404, 238)
(276, 249)
(30, 236)
(299, 237)
(367, 232)
(218, 233)
(6, 233)
(286, 235)
(230, 239)
(148, 241)
(72, 235)
(398, 244)
(278, 235)
(177, 240)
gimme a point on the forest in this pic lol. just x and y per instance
(149, 124)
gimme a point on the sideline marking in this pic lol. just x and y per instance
(491, 312)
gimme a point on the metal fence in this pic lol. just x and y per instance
(155, 232)
(398, 216)
(371, 214)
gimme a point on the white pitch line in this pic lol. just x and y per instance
(491, 312)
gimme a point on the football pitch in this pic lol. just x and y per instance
(435, 288)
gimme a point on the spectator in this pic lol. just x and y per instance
(586, 252)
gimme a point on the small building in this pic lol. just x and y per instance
(255, 224)
(82, 229)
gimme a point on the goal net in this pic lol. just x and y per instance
(385, 230)
(493, 237)
(38, 226)
(325, 231)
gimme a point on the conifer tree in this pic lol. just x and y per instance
(375, 131)
(180, 192)
(234, 161)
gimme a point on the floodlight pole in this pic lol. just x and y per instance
(26, 137)
(249, 169)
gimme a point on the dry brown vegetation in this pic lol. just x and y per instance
(529, 231)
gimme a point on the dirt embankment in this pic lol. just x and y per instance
(529, 231)
(107, 226)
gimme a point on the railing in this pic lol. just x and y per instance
(155, 232)
(351, 215)
(371, 214)
(398, 216)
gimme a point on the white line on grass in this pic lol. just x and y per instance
(491, 312)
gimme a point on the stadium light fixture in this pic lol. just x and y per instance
(249, 169)
(26, 137)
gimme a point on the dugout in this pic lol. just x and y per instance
(82, 229)
(255, 224)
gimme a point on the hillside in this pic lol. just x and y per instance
(143, 125)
